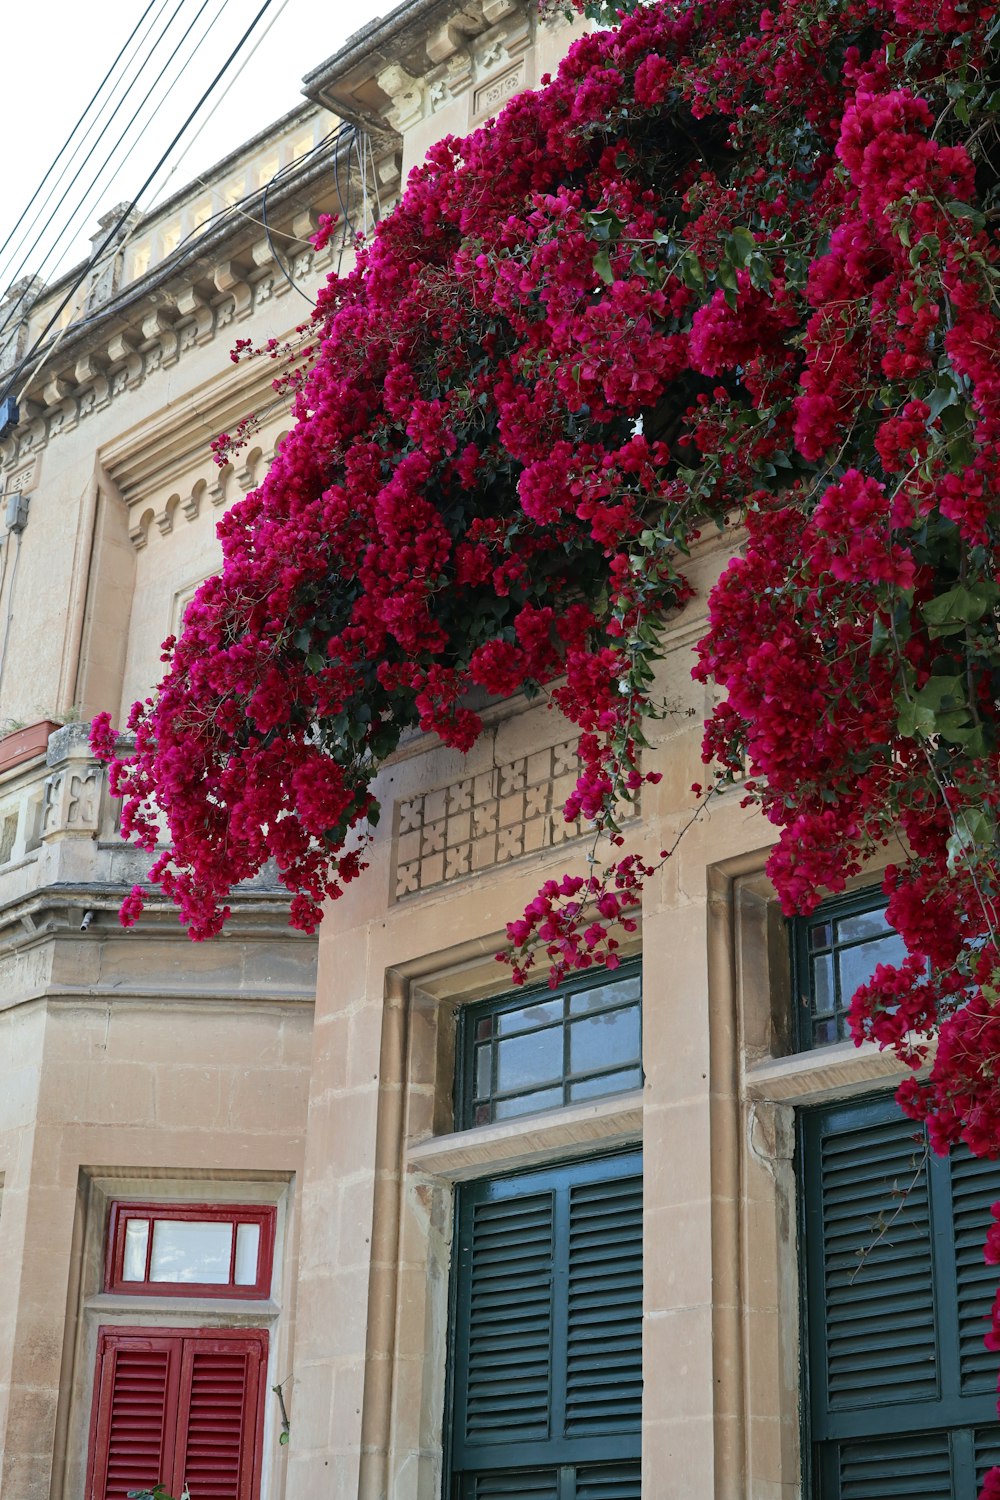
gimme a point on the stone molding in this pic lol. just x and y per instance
(155, 323)
(159, 339)
(401, 70)
(606, 1125)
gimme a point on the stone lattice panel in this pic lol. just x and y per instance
(484, 820)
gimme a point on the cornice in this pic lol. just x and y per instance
(201, 293)
(399, 70)
(57, 911)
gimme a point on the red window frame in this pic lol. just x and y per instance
(177, 1349)
(263, 1215)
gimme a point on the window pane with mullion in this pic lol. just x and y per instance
(834, 952)
(525, 1054)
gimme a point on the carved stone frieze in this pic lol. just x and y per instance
(98, 378)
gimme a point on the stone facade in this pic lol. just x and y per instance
(317, 1076)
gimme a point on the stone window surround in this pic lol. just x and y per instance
(420, 1157)
(91, 1308)
(759, 1083)
(755, 1085)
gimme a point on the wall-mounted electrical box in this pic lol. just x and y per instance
(15, 511)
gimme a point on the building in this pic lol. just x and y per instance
(357, 1169)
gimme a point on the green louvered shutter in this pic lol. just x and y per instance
(902, 1392)
(604, 1308)
(975, 1187)
(547, 1349)
(871, 1281)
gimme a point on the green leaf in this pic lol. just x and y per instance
(944, 394)
(942, 692)
(938, 708)
(960, 606)
(965, 211)
(974, 830)
(689, 269)
(602, 266)
(881, 636)
(760, 271)
(741, 245)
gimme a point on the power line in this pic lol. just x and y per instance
(68, 224)
(112, 234)
(342, 132)
(76, 127)
(221, 99)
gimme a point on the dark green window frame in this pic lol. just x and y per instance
(479, 1037)
(545, 1348)
(900, 1397)
(810, 947)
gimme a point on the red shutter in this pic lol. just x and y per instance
(180, 1405)
(136, 1400)
(219, 1416)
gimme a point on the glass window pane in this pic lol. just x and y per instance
(821, 935)
(823, 1032)
(857, 965)
(526, 1016)
(610, 1083)
(528, 1104)
(602, 995)
(136, 1240)
(484, 1028)
(188, 1250)
(483, 1071)
(247, 1254)
(864, 924)
(526, 1060)
(603, 1040)
(823, 997)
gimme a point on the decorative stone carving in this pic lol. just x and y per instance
(72, 804)
(14, 309)
(406, 94)
(491, 96)
(107, 243)
(485, 820)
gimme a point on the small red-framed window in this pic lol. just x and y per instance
(190, 1250)
(179, 1407)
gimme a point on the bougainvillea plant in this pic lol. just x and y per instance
(735, 267)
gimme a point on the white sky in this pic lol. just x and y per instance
(57, 52)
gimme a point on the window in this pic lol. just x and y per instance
(182, 1249)
(902, 1393)
(178, 1407)
(546, 1367)
(549, 1048)
(834, 952)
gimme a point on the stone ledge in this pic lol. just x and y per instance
(829, 1073)
(601, 1126)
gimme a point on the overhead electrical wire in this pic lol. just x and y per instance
(343, 131)
(196, 43)
(69, 223)
(159, 189)
(68, 141)
(233, 210)
(112, 234)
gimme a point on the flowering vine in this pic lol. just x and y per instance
(733, 266)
